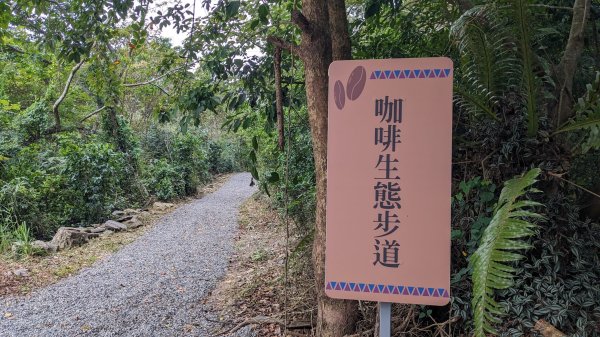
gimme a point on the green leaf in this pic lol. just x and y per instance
(586, 123)
(254, 23)
(273, 177)
(232, 9)
(263, 13)
(491, 261)
(456, 234)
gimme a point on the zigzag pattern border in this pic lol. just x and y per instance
(387, 289)
(410, 74)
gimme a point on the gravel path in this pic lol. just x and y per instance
(152, 287)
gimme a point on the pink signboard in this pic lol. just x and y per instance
(389, 176)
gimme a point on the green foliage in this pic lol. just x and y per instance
(498, 56)
(585, 168)
(587, 119)
(224, 156)
(7, 228)
(491, 261)
(559, 280)
(15, 236)
(22, 245)
(164, 180)
(473, 202)
(94, 173)
(34, 121)
(180, 162)
(487, 63)
(196, 101)
(518, 11)
(189, 157)
(77, 181)
(394, 29)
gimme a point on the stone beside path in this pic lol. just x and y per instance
(152, 287)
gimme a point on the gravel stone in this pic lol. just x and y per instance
(152, 287)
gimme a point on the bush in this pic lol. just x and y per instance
(178, 162)
(164, 181)
(77, 181)
(223, 157)
(22, 245)
(34, 121)
(14, 236)
(189, 159)
(94, 174)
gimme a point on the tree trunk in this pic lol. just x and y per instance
(338, 25)
(568, 63)
(336, 318)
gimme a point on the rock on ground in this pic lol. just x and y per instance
(152, 287)
(67, 237)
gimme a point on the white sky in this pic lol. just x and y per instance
(170, 32)
(178, 39)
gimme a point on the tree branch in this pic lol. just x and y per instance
(300, 20)
(279, 98)
(92, 114)
(161, 89)
(60, 99)
(291, 47)
(150, 81)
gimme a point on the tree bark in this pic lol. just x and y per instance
(568, 64)
(336, 318)
(338, 25)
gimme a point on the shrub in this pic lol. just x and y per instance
(77, 181)
(33, 121)
(223, 156)
(189, 159)
(164, 181)
(94, 173)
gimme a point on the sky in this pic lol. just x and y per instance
(170, 32)
(178, 39)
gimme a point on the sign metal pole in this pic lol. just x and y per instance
(385, 319)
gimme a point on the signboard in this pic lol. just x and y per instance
(389, 178)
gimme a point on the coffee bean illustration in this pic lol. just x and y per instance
(339, 95)
(356, 82)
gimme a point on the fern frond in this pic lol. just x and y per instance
(519, 11)
(504, 235)
(473, 102)
(487, 63)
